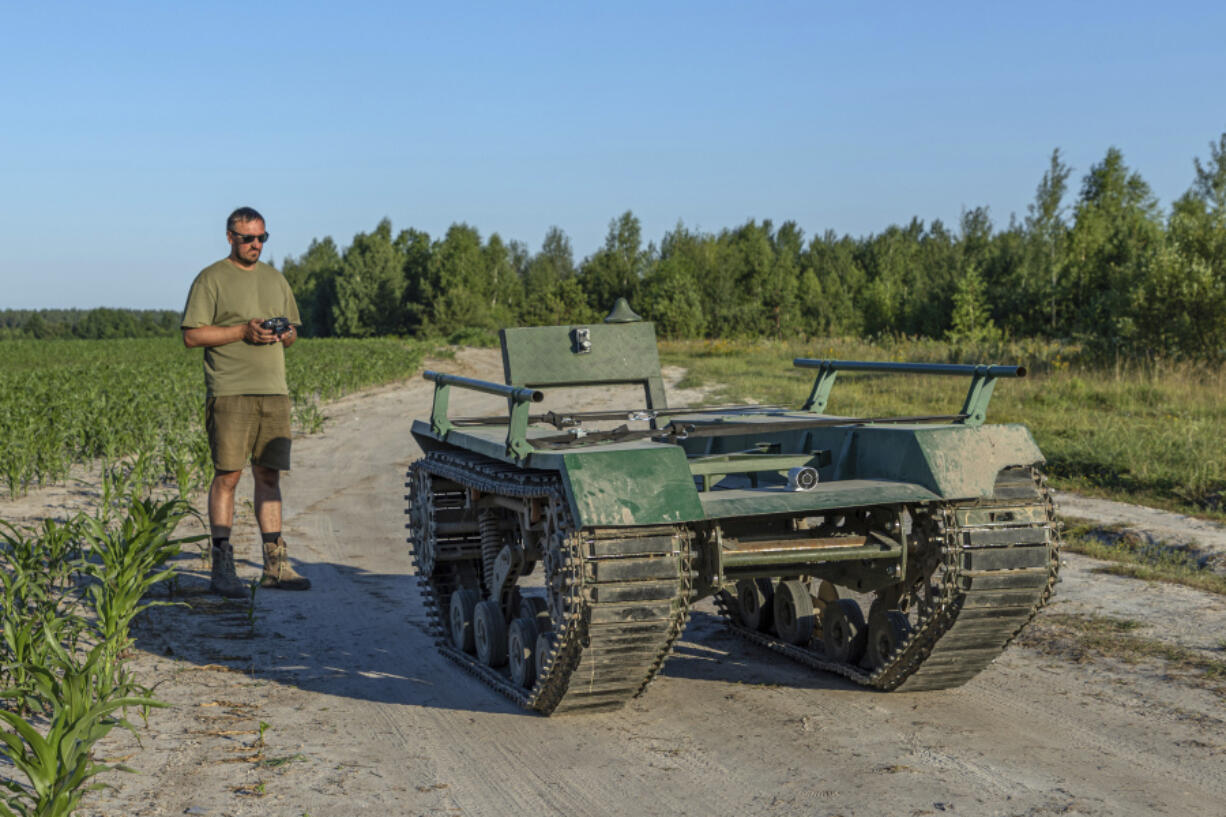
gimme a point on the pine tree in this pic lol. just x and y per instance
(971, 322)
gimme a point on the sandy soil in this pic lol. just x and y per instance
(360, 715)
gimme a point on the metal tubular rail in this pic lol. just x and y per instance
(974, 407)
(913, 368)
(518, 398)
(517, 393)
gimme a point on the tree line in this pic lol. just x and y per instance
(88, 324)
(1103, 265)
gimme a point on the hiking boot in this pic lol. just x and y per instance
(225, 581)
(277, 570)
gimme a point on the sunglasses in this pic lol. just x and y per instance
(243, 238)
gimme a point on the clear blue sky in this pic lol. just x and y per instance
(128, 130)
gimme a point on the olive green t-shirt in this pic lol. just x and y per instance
(226, 295)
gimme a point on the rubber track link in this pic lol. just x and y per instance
(1001, 559)
(628, 589)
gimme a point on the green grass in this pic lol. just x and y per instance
(1132, 556)
(1144, 432)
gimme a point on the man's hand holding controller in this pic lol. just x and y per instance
(269, 330)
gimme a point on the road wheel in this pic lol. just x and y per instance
(754, 601)
(537, 609)
(463, 602)
(793, 609)
(521, 651)
(490, 634)
(886, 633)
(843, 632)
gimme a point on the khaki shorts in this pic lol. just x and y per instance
(248, 427)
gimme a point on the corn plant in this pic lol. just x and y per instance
(187, 462)
(17, 465)
(76, 700)
(59, 549)
(29, 579)
(306, 414)
(252, 587)
(37, 600)
(30, 643)
(124, 482)
(84, 698)
(127, 559)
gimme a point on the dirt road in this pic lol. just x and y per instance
(362, 716)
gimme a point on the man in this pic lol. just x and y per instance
(247, 408)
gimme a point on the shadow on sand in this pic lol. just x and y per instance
(364, 635)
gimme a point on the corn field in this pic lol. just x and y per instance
(69, 402)
(72, 587)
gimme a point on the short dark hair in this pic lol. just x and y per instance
(243, 214)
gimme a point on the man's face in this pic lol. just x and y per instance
(243, 251)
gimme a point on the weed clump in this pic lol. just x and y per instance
(1081, 637)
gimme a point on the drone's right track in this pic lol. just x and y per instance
(623, 594)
